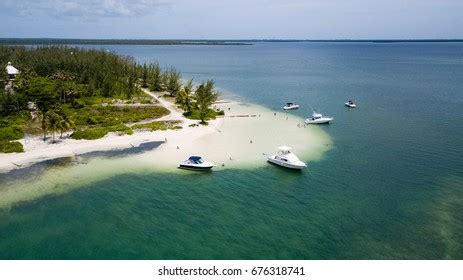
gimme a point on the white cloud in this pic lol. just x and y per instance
(85, 8)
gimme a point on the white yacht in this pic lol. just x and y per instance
(285, 158)
(291, 106)
(350, 104)
(318, 118)
(196, 163)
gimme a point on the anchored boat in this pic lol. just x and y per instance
(318, 118)
(291, 106)
(350, 104)
(285, 158)
(196, 163)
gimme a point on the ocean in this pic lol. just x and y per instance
(390, 186)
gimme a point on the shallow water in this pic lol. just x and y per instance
(390, 187)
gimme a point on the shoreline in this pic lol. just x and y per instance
(226, 141)
(242, 139)
(36, 150)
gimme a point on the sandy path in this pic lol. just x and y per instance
(36, 150)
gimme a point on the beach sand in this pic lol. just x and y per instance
(225, 141)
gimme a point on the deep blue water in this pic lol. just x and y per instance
(391, 187)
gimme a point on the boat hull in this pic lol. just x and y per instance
(291, 107)
(195, 168)
(350, 105)
(286, 164)
(324, 121)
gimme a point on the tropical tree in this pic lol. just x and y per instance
(205, 97)
(53, 120)
(174, 82)
(144, 76)
(65, 124)
(156, 77)
(130, 86)
(184, 97)
(44, 124)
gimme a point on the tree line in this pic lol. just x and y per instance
(55, 76)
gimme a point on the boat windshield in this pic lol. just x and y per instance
(196, 159)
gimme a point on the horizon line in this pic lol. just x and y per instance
(211, 39)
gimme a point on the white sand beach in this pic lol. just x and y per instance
(225, 141)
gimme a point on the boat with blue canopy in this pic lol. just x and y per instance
(196, 163)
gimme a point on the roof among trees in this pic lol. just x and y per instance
(11, 70)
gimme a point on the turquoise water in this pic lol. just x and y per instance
(391, 187)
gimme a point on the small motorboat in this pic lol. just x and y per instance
(196, 163)
(318, 118)
(285, 158)
(350, 104)
(291, 106)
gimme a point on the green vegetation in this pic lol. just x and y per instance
(112, 115)
(11, 147)
(195, 114)
(197, 106)
(12, 128)
(61, 88)
(158, 125)
(99, 132)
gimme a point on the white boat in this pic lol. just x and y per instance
(350, 104)
(196, 163)
(318, 118)
(291, 106)
(285, 158)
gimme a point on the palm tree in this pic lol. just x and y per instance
(65, 124)
(184, 96)
(205, 97)
(44, 124)
(53, 120)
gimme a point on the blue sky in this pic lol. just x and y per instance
(232, 19)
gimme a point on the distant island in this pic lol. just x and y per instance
(233, 42)
(51, 41)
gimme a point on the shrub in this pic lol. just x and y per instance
(11, 147)
(194, 114)
(158, 125)
(13, 132)
(100, 132)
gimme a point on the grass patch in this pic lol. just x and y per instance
(113, 115)
(141, 97)
(99, 132)
(158, 125)
(11, 147)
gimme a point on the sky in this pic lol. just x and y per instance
(232, 19)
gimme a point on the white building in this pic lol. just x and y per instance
(11, 71)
